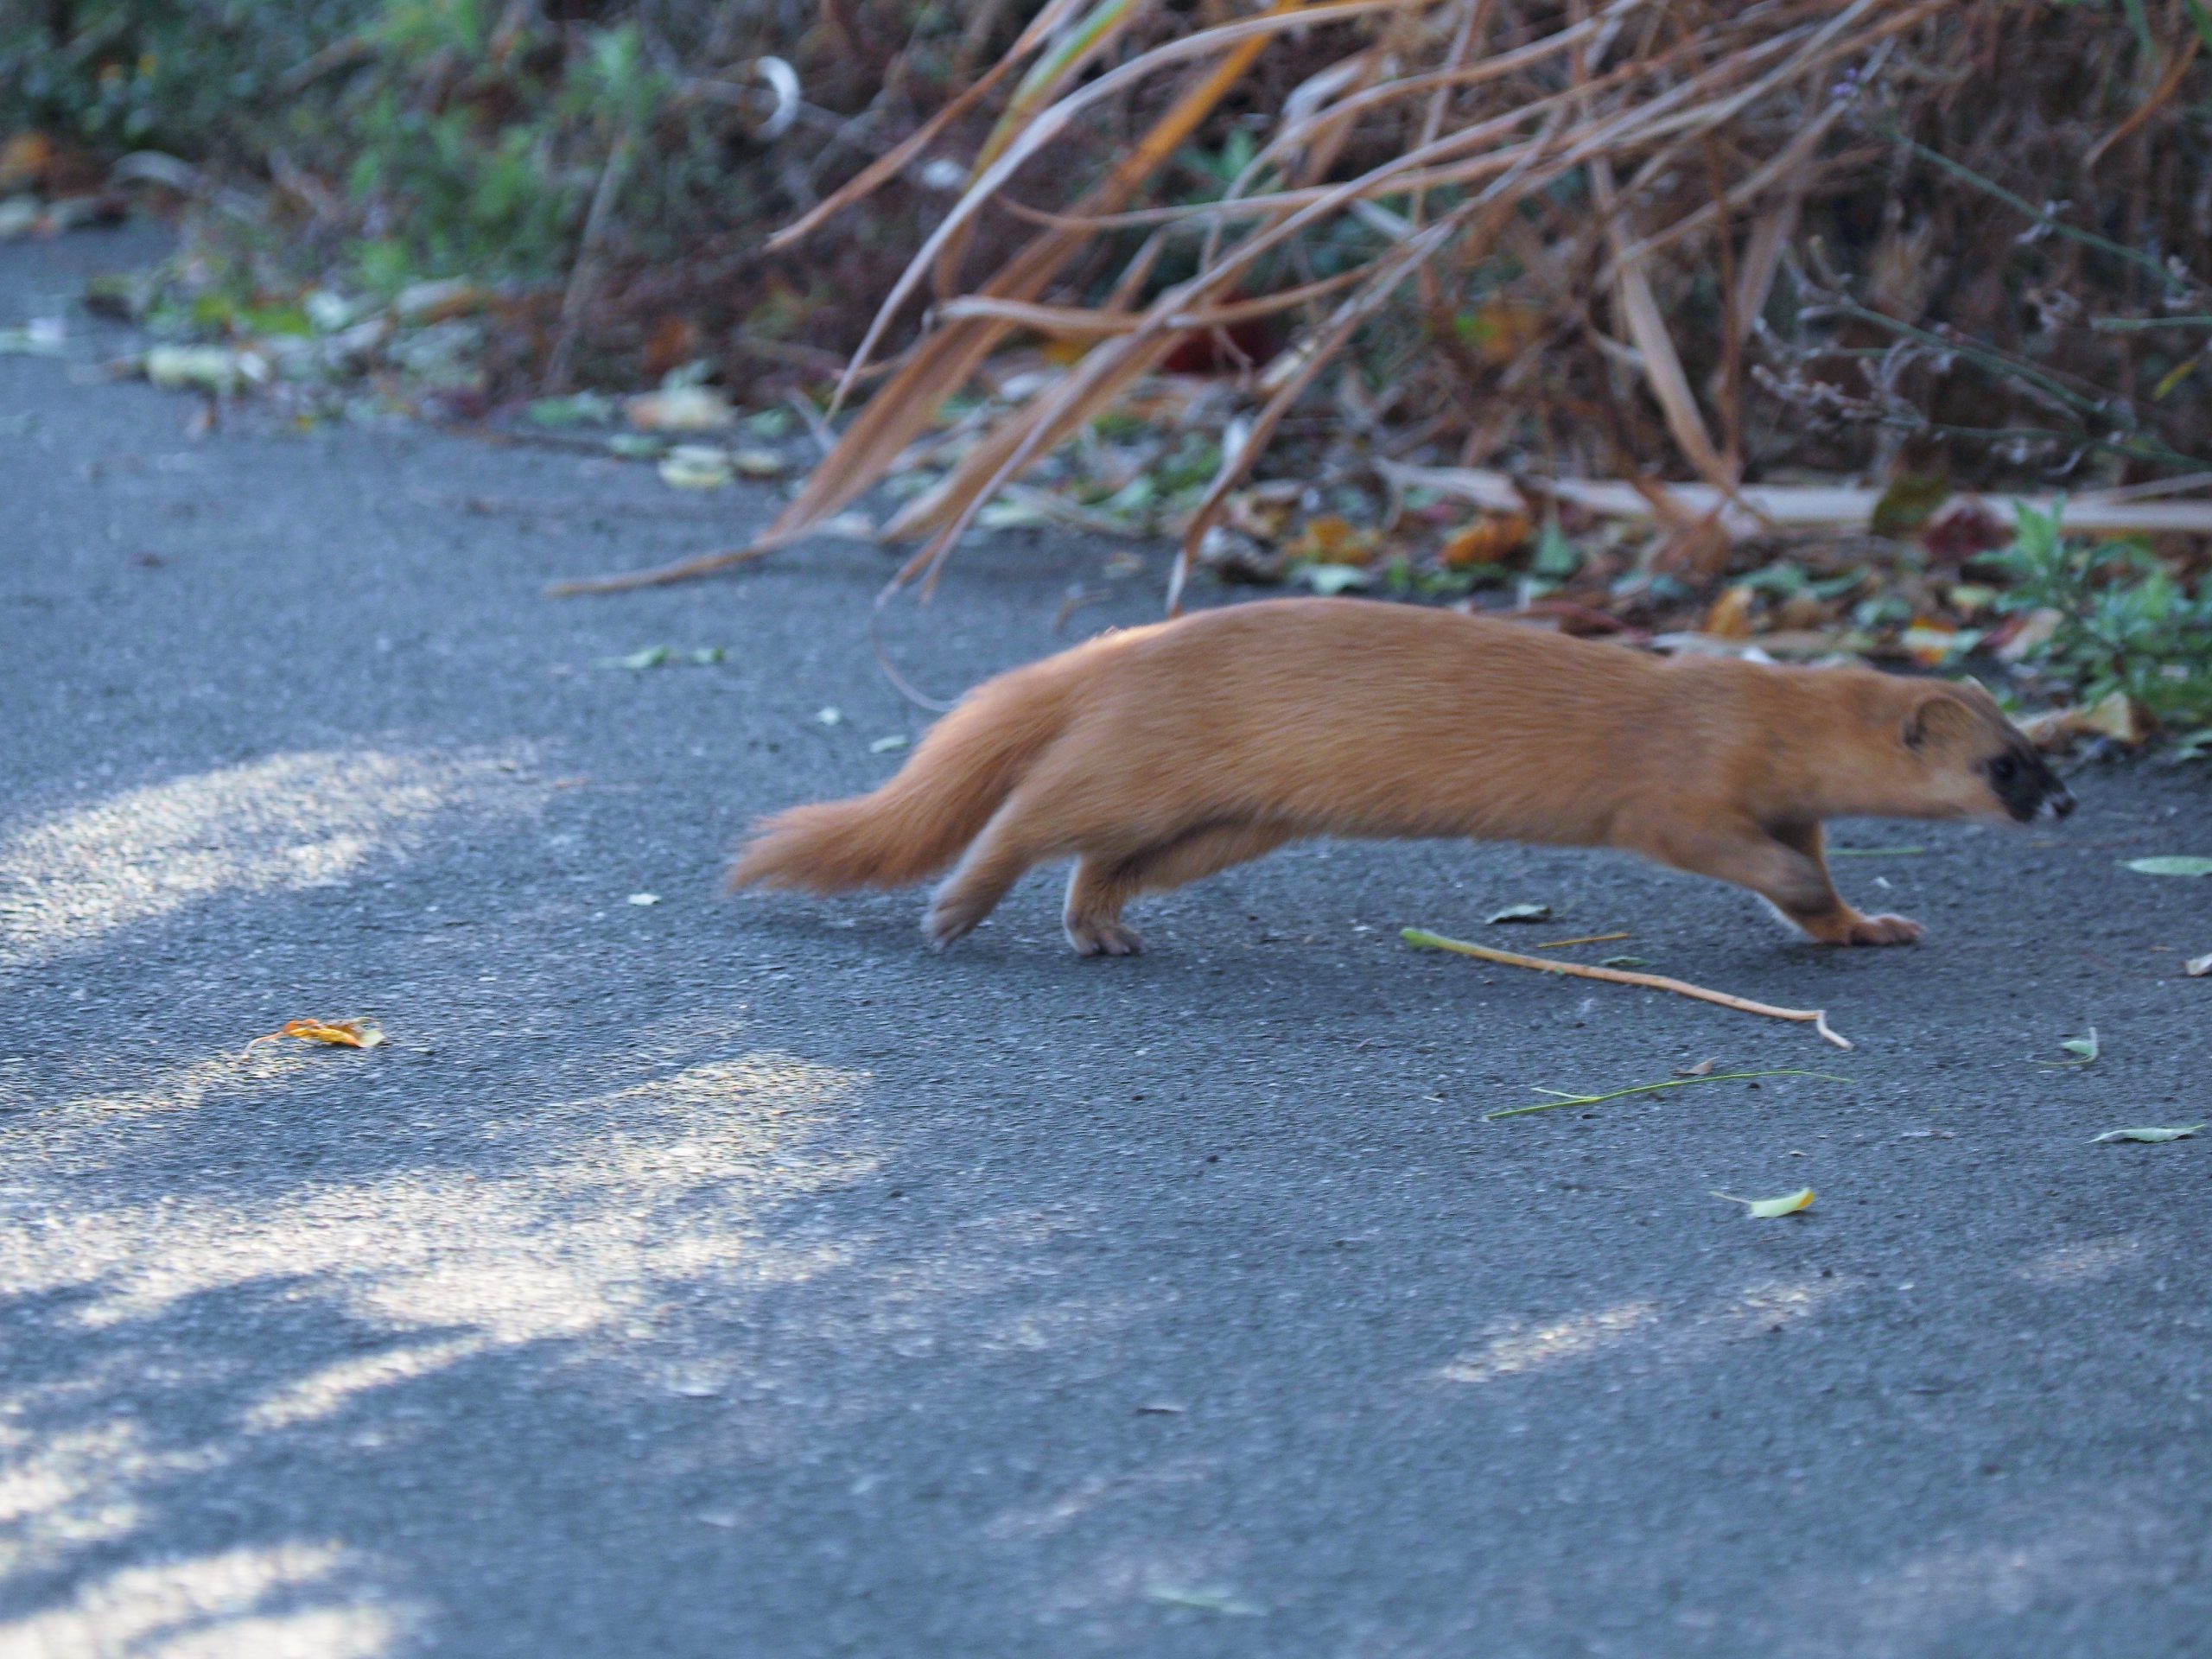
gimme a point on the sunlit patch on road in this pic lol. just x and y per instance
(306, 819)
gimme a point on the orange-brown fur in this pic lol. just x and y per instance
(1161, 754)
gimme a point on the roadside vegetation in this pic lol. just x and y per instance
(1867, 328)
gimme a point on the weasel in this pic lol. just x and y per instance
(1160, 754)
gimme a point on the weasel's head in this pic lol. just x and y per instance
(1975, 763)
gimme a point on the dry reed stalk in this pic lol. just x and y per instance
(1614, 149)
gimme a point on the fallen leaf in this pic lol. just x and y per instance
(423, 304)
(1330, 539)
(759, 463)
(1931, 643)
(886, 744)
(1703, 1068)
(1730, 615)
(2198, 966)
(2113, 716)
(2170, 866)
(651, 657)
(24, 160)
(339, 1034)
(1767, 1209)
(1557, 556)
(41, 337)
(1330, 580)
(696, 467)
(1625, 962)
(584, 409)
(2083, 1049)
(643, 899)
(1490, 540)
(680, 409)
(1909, 503)
(830, 714)
(2027, 633)
(2153, 1135)
(1204, 1599)
(202, 368)
(1523, 914)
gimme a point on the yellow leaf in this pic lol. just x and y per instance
(339, 1034)
(1730, 615)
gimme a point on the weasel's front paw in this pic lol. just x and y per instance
(1882, 930)
(1103, 939)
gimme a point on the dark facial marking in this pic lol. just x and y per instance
(2022, 780)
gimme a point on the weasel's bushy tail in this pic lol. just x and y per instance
(920, 822)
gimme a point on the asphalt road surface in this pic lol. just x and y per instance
(737, 1278)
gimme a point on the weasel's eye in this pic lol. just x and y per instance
(2004, 769)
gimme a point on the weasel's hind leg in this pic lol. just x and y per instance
(1017, 836)
(1103, 884)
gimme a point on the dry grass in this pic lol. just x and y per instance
(1652, 240)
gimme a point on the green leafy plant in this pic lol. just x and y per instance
(2126, 623)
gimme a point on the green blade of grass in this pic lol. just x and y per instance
(1566, 1100)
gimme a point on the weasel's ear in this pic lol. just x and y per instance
(1935, 714)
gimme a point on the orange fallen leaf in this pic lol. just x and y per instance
(339, 1034)
(1333, 540)
(24, 160)
(1490, 540)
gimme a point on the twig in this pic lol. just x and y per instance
(2042, 216)
(1590, 939)
(660, 575)
(1565, 1099)
(584, 279)
(1817, 1018)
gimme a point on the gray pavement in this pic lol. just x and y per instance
(711, 1277)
